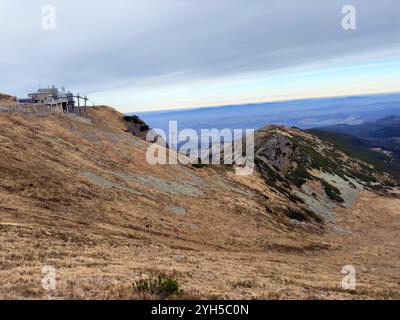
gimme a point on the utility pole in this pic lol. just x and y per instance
(82, 112)
(79, 105)
(85, 110)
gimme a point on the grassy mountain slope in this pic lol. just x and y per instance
(319, 170)
(79, 195)
(383, 133)
(361, 149)
(7, 99)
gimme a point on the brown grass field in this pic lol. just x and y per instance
(81, 197)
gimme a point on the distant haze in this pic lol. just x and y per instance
(306, 113)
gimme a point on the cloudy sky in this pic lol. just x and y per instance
(160, 54)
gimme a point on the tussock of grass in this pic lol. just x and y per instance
(162, 286)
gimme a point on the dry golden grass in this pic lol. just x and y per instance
(65, 203)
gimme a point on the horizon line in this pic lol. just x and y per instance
(266, 102)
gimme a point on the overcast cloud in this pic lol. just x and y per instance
(155, 51)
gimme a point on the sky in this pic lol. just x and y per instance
(159, 54)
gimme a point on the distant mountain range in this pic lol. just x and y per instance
(382, 128)
(381, 134)
(308, 113)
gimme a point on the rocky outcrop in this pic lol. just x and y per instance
(137, 126)
(314, 175)
(279, 151)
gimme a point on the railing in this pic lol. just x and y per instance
(41, 109)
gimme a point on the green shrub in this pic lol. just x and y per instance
(299, 176)
(332, 192)
(199, 163)
(302, 214)
(161, 285)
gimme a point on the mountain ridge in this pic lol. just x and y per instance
(84, 187)
(383, 135)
